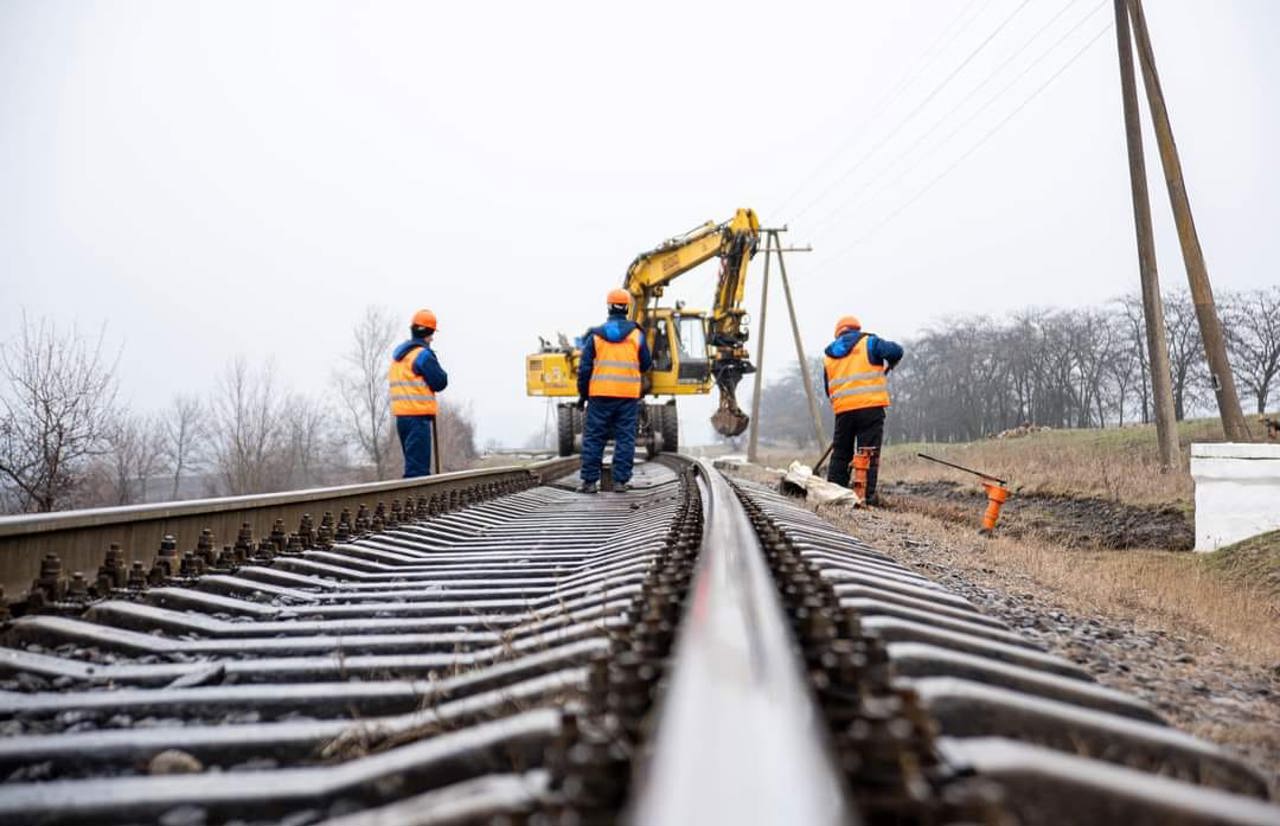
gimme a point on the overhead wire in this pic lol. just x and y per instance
(923, 62)
(916, 110)
(866, 191)
(967, 154)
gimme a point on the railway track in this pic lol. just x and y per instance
(494, 647)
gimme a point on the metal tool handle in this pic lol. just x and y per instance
(960, 467)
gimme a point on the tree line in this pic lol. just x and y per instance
(964, 379)
(67, 440)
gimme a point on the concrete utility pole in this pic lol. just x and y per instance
(795, 332)
(1224, 385)
(1152, 304)
(754, 439)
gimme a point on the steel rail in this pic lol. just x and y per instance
(739, 738)
(81, 537)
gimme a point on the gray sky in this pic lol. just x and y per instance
(244, 177)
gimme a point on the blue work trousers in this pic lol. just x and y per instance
(415, 443)
(609, 419)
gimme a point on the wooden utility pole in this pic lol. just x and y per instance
(1224, 385)
(1152, 304)
(795, 332)
(754, 439)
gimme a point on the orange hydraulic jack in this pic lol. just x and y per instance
(997, 492)
(861, 464)
(997, 495)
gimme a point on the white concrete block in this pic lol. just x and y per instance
(1237, 492)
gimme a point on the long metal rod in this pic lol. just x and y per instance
(960, 467)
(739, 736)
(758, 384)
(1224, 385)
(1152, 304)
(800, 356)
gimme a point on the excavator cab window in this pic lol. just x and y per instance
(692, 337)
(661, 346)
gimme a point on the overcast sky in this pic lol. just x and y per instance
(222, 178)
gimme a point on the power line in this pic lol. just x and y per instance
(923, 62)
(865, 192)
(932, 94)
(986, 137)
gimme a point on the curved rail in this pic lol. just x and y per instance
(739, 737)
(80, 537)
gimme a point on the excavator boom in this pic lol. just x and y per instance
(734, 242)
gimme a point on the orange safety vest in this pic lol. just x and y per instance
(410, 393)
(854, 383)
(615, 373)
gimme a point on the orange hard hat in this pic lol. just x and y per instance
(424, 318)
(848, 322)
(619, 297)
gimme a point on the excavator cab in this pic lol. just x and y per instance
(681, 361)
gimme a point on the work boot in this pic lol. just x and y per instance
(589, 487)
(621, 487)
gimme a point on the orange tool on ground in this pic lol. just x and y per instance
(997, 491)
(861, 464)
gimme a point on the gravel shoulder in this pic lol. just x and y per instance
(1203, 682)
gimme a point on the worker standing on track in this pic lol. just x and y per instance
(414, 379)
(857, 364)
(614, 357)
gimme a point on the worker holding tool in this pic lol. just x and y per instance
(857, 364)
(614, 356)
(414, 379)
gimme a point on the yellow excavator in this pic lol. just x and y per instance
(692, 349)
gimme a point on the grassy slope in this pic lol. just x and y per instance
(1254, 562)
(1116, 463)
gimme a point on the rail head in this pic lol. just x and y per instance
(33, 523)
(739, 736)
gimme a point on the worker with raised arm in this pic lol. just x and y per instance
(414, 379)
(856, 365)
(614, 358)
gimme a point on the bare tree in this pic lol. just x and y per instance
(1252, 322)
(455, 431)
(362, 386)
(1186, 352)
(135, 453)
(309, 443)
(56, 404)
(248, 429)
(186, 430)
(1131, 314)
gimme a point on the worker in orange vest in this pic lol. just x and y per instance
(614, 358)
(856, 366)
(414, 379)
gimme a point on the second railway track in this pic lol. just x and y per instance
(699, 649)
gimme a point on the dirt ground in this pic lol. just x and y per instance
(1072, 521)
(1138, 620)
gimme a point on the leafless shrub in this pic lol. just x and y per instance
(135, 453)
(1252, 324)
(248, 428)
(361, 380)
(186, 432)
(57, 402)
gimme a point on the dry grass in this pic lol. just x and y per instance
(1121, 464)
(1255, 561)
(1156, 589)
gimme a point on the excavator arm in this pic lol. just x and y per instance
(734, 242)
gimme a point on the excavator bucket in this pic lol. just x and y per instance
(729, 420)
